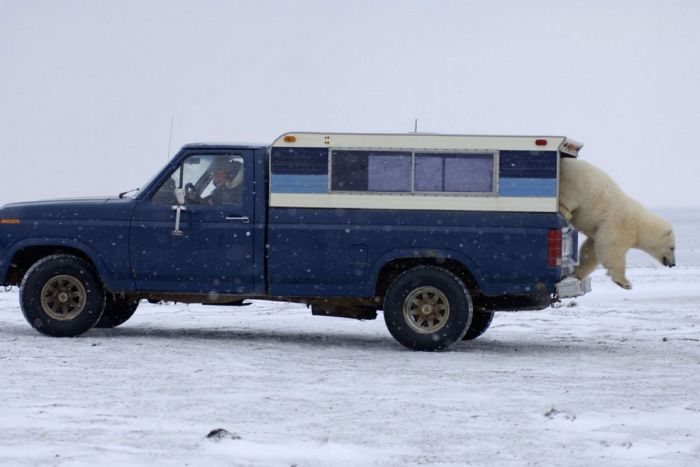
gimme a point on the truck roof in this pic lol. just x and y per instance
(407, 140)
(222, 145)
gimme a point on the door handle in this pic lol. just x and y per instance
(243, 219)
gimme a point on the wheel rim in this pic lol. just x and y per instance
(63, 297)
(426, 309)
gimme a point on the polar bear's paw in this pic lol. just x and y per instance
(624, 283)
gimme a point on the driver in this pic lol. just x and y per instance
(227, 188)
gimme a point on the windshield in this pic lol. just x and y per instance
(132, 193)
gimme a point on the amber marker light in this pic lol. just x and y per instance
(290, 139)
(9, 221)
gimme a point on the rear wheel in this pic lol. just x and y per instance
(427, 308)
(480, 323)
(117, 311)
(61, 296)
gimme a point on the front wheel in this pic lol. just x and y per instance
(427, 308)
(61, 296)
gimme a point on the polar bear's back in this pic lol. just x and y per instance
(588, 193)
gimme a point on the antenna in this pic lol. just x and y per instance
(170, 140)
(415, 126)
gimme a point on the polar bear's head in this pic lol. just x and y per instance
(663, 246)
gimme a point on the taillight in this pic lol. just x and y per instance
(554, 239)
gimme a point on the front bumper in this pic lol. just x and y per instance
(572, 287)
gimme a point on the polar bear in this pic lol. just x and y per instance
(613, 222)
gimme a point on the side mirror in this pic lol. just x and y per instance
(180, 196)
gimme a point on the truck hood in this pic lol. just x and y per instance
(71, 209)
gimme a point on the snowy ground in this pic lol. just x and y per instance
(613, 380)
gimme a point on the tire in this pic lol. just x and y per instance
(480, 323)
(61, 296)
(427, 308)
(117, 311)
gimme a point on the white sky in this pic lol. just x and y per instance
(87, 89)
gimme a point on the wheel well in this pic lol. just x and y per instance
(26, 257)
(394, 268)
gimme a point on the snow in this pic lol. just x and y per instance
(611, 379)
(608, 378)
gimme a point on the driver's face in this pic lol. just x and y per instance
(220, 177)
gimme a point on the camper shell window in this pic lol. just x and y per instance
(374, 171)
(454, 172)
(394, 171)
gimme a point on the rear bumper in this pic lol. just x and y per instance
(572, 287)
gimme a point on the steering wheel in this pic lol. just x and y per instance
(191, 194)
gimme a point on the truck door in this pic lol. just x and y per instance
(212, 250)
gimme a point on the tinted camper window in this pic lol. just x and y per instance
(454, 173)
(378, 171)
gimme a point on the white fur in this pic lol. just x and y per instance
(613, 222)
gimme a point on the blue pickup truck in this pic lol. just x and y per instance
(437, 231)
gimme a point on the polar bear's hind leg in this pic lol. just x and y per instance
(588, 260)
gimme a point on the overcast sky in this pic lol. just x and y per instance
(88, 88)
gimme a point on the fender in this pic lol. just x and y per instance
(432, 253)
(106, 275)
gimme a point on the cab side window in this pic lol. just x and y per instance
(210, 180)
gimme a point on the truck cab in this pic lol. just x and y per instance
(438, 231)
(218, 245)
